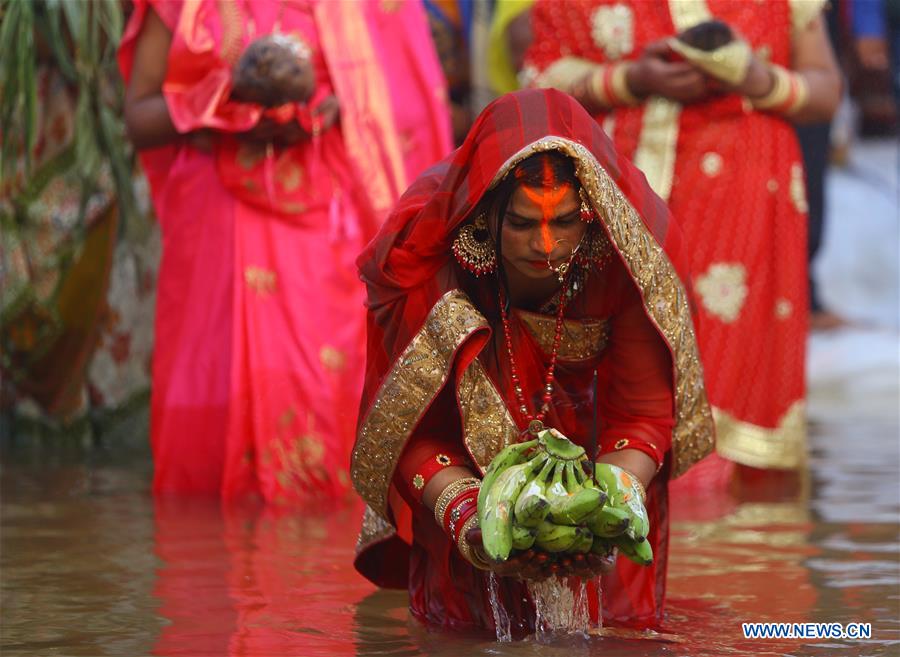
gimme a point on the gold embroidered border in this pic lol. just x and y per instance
(408, 389)
(374, 530)
(665, 299)
(655, 154)
(487, 424)
(749, 444)
(581, 340)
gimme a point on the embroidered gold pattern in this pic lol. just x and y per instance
(711, 164)
(783, 446)
(798, 188)
(772, 185)
(249, 154)
(487, 424)
(621, 443)
(443, 459)
(655, 154)
(664, 296)
(288, 173)
(298, 461)
(409, 387)
(612, 30)
(418, 482)
(723, 290)
(262, 281)
(374, 530)
(783, 308)
(581, 340)
(332, 358)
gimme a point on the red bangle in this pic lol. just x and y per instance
(427, 469)
(459, 510)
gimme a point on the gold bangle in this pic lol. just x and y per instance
(789, 92)
(468, 552)
(619, 84)
(453, 489)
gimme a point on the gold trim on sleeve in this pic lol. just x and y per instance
(487, 424)
(804, 12)
(783, 446)
(664, 296)
(408, 389)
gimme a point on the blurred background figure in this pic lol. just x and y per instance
(702, 96)
(275, 136)
(77, 268)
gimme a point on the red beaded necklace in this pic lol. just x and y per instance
(535, 421)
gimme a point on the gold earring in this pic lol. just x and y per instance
(586, 212)
(474, 247)
(598, 251)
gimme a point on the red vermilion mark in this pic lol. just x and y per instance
(547, 197)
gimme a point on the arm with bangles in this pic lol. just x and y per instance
(808, 92)
(148, 119)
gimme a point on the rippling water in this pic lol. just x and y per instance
(92, 565)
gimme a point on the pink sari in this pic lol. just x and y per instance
(260, 322)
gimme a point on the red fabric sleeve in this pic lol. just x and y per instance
(638, 407)
(436, 435)
(559, 29)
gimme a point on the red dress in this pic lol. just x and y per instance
(733, 177)
(438, 378)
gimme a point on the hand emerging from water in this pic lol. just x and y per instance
(535, 565)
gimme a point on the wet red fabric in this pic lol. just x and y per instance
(409, 266)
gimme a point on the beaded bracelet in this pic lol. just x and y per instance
(453, 489)
(788, 95)
(459, 509)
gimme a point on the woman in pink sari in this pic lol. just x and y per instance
(260, 322)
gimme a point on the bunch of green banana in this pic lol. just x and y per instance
(536, 495)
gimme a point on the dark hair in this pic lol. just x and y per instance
(530, 172)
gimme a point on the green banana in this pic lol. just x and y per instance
(581, 505)
(583, 543)
(556, 538)
(601, 546)
(559, 446)
(495, 516)
(507, 457)
(624, 496)
(532, 505)
(558, 496)
(640, 553)
(608, 521)
(523, 537)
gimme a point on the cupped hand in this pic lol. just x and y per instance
(536, 565)
(652, 74)
(320, 119)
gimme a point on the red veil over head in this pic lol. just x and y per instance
(424, 332)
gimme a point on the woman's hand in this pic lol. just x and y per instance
(321, 118)
(652, 74)
(535, 565)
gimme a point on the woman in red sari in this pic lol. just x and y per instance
(458, 362)
(707, 117)
(260, 323)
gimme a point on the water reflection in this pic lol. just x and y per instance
(92, 565)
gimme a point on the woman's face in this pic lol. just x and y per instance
(541, 224)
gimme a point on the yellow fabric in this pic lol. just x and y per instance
(501, 74)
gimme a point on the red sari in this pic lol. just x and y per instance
(733, 177)
(438, 376)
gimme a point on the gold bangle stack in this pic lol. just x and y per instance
(453, 489)
(788, 95)
(469, 553)
(608, 86)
